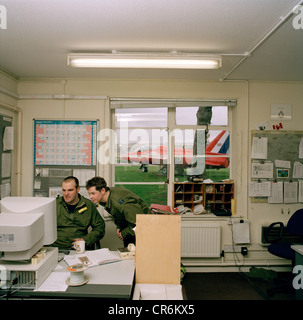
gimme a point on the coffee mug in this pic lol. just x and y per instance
(79, 245)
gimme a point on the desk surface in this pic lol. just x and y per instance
(113, 280)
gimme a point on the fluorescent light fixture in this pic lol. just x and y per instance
(143, 60)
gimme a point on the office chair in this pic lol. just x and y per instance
(281, 245)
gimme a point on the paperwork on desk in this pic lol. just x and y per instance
(93, 258)
(150, 291)
(55, 282)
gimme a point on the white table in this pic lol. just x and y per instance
(113, 280)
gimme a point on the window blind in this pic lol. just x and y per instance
(118, 103)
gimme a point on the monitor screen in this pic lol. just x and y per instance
(26, 224)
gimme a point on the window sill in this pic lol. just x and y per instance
(208, 216)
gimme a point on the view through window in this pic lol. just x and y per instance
(157, 145)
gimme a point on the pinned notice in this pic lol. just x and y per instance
(262, 170)
(8, 139)
(259, 189)
(259, 148)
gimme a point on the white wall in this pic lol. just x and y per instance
(254, 100)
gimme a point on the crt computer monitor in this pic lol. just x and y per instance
(26, 225)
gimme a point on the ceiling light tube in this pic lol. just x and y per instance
(165, 61)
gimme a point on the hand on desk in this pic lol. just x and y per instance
(118, 232)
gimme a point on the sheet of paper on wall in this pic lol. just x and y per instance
(37, 184)
(301, 148)
(298, 170)
(241, 232)
(41, 172)
(280, 111)
(291, 192)
(282, 164)
(54, 192)
(5, 189)
(300, 199)
(8, 138)
(6, 165)
(259, 148)
(276, 192)
(262, 170)
(83, 175)
(259, 189)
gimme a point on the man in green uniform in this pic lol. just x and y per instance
(75, 214)
(121, 203)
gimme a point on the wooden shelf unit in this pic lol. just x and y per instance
(217, 194)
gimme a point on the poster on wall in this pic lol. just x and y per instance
(280, 111)
(63, 142)
(63, 148)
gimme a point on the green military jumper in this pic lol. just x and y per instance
(72, 225)
(124, 205)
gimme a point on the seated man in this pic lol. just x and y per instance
(121, 203)
(75, 214)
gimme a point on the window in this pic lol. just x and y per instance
(211, 161)
(188, 115)
(157, 142)
(142, 144)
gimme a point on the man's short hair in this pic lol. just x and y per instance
(97, 182)
(72, 178)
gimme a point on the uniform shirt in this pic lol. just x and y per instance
(72, 225)
(124, 205)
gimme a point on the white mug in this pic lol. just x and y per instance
(79, 245)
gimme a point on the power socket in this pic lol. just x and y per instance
(244, 251)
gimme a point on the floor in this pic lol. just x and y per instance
(232, 286)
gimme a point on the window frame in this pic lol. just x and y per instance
(171, 126)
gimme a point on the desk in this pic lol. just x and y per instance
(299, 262)
(113, 280)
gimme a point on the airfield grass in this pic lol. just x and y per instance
(156, 193)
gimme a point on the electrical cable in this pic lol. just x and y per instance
(9, 294)
(241, 273)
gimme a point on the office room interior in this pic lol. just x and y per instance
(260, 44)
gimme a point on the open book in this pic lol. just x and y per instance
(93, 258)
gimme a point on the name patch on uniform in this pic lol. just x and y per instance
(120, 201)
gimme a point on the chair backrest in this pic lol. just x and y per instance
(295, 223)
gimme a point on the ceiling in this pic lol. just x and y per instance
(256, 38)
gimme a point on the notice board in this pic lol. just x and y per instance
(277, 166)
(63, 148)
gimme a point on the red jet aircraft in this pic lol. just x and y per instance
(217, 147)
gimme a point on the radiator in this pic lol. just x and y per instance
(200, 240)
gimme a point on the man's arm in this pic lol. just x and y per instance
(130, 210)
(98, 227)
